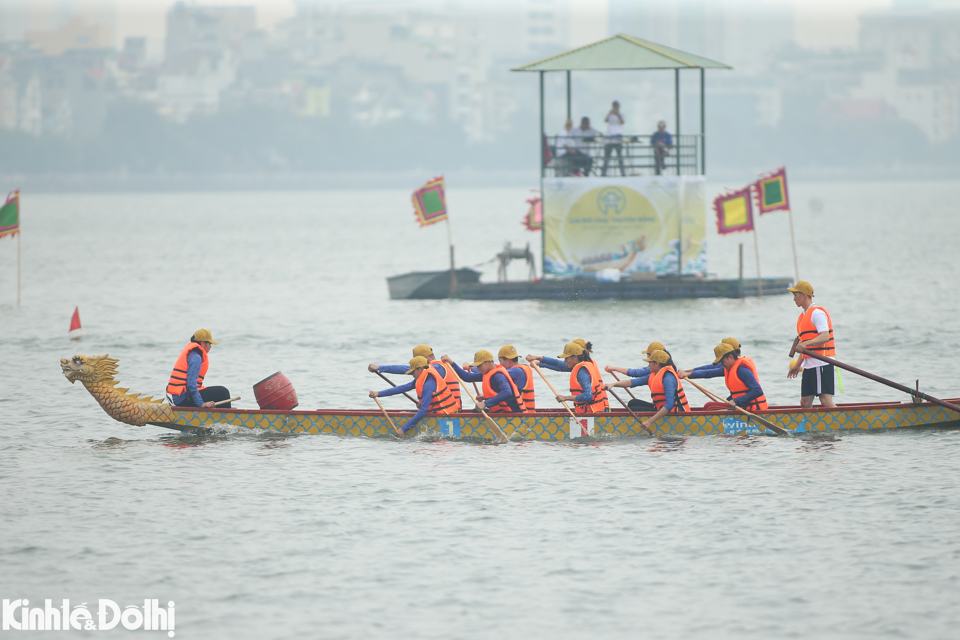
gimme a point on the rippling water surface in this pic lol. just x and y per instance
(260, 535)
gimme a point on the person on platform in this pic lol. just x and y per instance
(636, 404)
(815, 333)
(662, 142)
(614, 138)
(584, 135)
(499, 393)
(586, 387)
(185, 386)
(665, 387)
(433, 392)
(568, 155)
(740, 375)
(445, 370)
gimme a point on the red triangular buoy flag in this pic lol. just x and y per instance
(75, 320)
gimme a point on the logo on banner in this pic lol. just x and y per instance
(18, 615)
(611, 200)
(581, 427)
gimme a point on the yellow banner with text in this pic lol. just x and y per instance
(642, 224)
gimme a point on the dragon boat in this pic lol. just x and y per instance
(97, 375)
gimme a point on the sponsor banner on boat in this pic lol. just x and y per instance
(19, 615)
(581, 427)
(628, 224)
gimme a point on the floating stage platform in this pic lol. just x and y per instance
(427, 285)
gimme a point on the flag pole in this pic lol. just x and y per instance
(19, 233)
(793, 241)
(453, 271)
(756, 252)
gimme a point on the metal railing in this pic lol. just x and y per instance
(599, 156)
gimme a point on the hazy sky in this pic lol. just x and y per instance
(819, 23)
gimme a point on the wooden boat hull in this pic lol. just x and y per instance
(557, 426)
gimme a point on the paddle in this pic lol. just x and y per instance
(866, 374)
(217, 404)
(501, 436)
(399, 433)
(536, 366)
(778, 430)
(645, 428)
(387, 380)
(614, 374)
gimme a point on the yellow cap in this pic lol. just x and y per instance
(480, 357)
(416, 363)
(202, 335)
(658, 355)
(793, 363)
(508, 351)
(581, 342)
(422, 350)
(654, 346)
(721, 350)
(732, 342)
(803, 287)
(571, 349)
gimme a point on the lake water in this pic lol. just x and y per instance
(260, 535)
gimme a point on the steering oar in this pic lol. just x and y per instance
(866, 374)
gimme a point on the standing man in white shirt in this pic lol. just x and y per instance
(566, 148)
(815, 333)
(614, 141)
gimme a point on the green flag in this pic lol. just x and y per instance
(10, 215)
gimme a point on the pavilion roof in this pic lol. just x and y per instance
(621, 53)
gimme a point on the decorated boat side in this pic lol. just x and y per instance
(96, 373)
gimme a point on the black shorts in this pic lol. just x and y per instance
(817, 381)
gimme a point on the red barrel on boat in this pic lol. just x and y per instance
(276, 393)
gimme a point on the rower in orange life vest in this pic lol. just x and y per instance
(561, 366)
(521, 374)
(665, 387)
(586, 386)
(186, 381)
(500, 393)
(636, 404)
(740, 375)
(449, 376)
(815, 332)
(434, 394)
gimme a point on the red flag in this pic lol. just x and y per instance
(75, 320)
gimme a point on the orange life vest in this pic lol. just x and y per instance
(596, 386)
(178, 378)
(807, 331)
(442, 401)
(452, 383)
(529, 401)
(659, 396)
(737, 388)
(488, 392)
(595, 368)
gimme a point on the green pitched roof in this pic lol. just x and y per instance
(620, 53)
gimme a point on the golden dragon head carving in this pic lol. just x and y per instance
(89, 368)
(97, 375)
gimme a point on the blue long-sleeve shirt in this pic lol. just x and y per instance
(746, 377)
(669, 387)
(429, 388)
(583, 377)
(498, 383)
(638, 373)
(194, 361)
